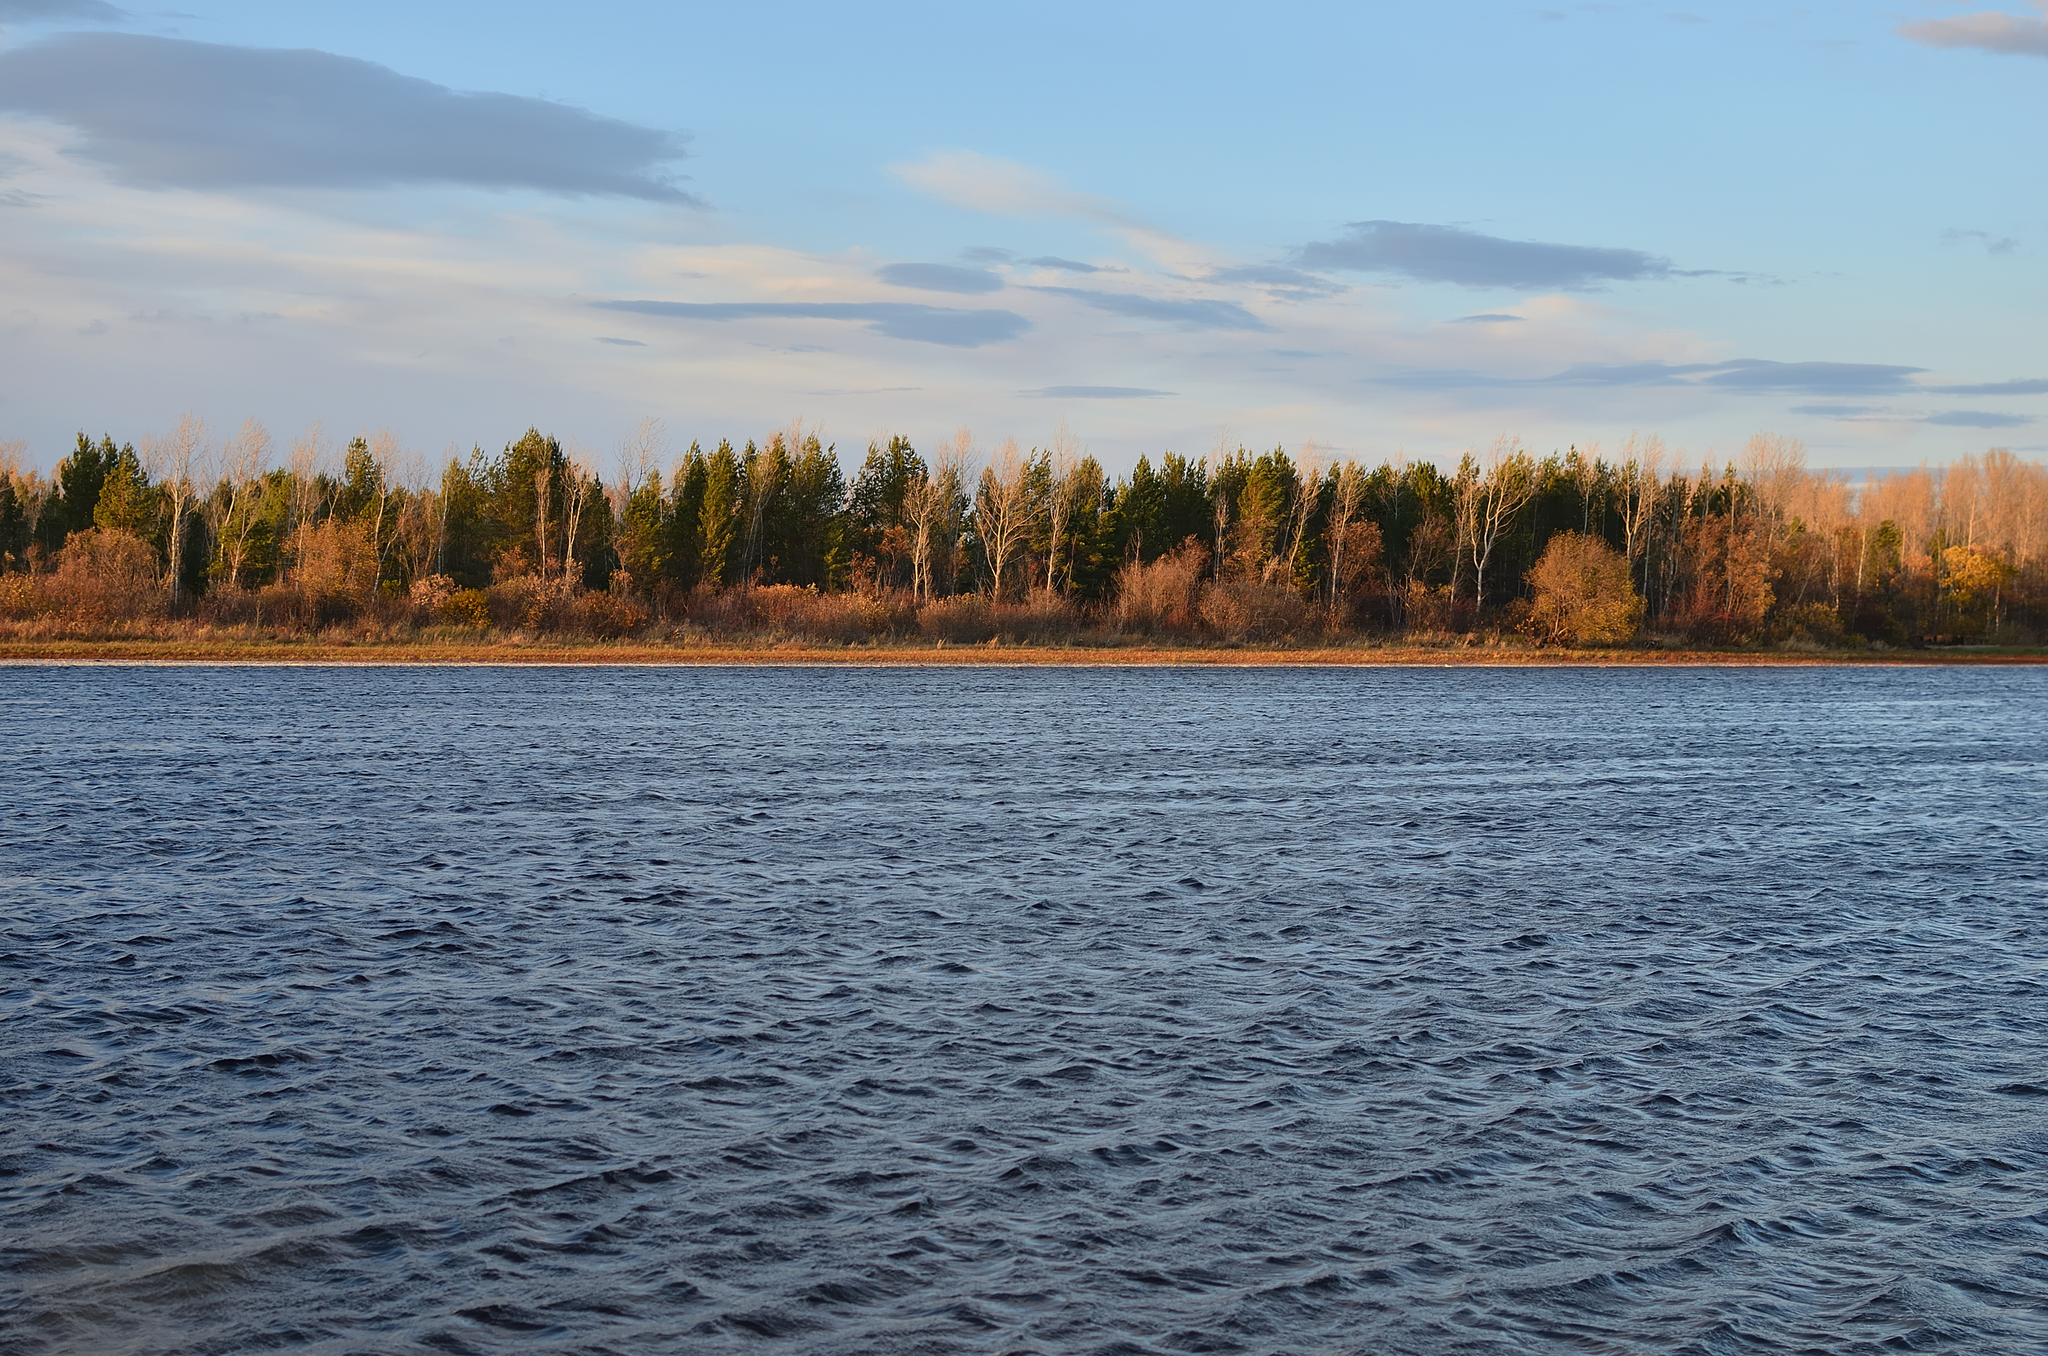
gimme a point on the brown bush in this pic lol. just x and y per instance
(1429, 611)
(607, 616)
(104, 575)
(1162, 597)
(964, 620)
(1039, 619)
(1247, 607)
(530, 603)
(335, 571)
(1583, 593)
(20, 599)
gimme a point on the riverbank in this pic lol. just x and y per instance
(501, 651)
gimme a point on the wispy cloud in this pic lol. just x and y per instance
(1452, 254)
(1096, 393)
(1486, 318)
(896, 319)
(940, 278)
(1196, 314)
(1993, 244)
(1741, 374)
(1004, 188)
(1063, 265)
(166, 113)
(1757, 374)
(1976, 419)
(1286, 284)
(2027, 386)
(1986, 31)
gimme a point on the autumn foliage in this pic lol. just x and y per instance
(768, 542)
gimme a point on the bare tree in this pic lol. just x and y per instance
(580, 478)
(1641, 474)
(1061, 461)
(641, 453)
(307, 455)
(31, 492)
(929, 501)
(173, 461)
(543, 509)
(1347, 497)
(1308, 489)
(244, 458)
(1002, 509)
(385, 454)
(423, 521)
(1490, 501)
(1585, 475)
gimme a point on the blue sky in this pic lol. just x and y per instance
(1385, 229)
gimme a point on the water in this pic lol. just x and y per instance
(1000, 1011)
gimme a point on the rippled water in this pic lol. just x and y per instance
(954, 1010)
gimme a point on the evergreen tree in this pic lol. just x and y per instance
(79, 478)
(127, 501)
(718, 531)
(875, 526)
(14, 534)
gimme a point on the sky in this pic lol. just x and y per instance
(1388, 230)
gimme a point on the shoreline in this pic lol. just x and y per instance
(514, 653)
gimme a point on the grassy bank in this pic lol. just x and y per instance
(522, 650)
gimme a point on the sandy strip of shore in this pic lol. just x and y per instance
(507, 653)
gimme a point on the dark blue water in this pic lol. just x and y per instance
(1002, 1011)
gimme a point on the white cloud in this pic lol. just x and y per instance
(1986, 31)
(1003, 188)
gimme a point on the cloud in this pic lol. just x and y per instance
(2031, 386)
(1096, 393)
(1188, 315)
(1627, 374)
(940, 278)
(1488, 318)
(1287, 283)
(1839, 411)
(1972, 419)
(1064, 265)
(1003, 188)
(2004, 244)
(59, 11)
(1756, 374)
(166, 113)
(896, 319)
(624, 343)
(1986, 31)
(1454, 255)
(1740, 374)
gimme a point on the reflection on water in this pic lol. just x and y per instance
(833, 1011)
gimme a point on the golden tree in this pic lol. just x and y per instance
(1584, 595)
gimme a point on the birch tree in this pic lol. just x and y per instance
(578, 481)
(172, 461)
(1061, 460)
(1491, 501)
(244, 458)
(1002, 510)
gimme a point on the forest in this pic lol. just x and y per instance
(769, 541)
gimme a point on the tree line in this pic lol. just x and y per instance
(1572, 546)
